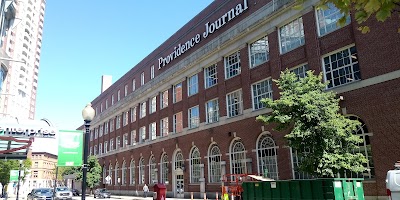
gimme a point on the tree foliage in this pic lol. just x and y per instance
(323, 138)
(93, 177)
(364, 9)
(7, 165)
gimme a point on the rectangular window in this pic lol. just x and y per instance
(212, 111)
(101, 107)
(164, 99)
(259, 52)
(133, 137)
(152, 72)
(125, 142)
(118, 123)
(193, 85)
(111, 125)
(232, 65)
(133, 85)
(100, 148)
(152, 131)
(234, 103)
(193, 117)
(164, 127)
(91, 135)
(142, 134)
(177, 92)
(112, 99)
(291, 35)
(126, 90)
(105, 147)
(261, 90)
(300, 71)
(111, 144)
(153, 104)
(142, 110)
(178, 125)
(133, 114)
(342, 67)
(101, 131)
(96, 133)
(142, 78)
(210, 76)
(125, 118)
(119, 95)
(106, 104)
(327, 19)
(118, 143)
(106, 127)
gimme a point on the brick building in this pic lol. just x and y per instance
(185, 115)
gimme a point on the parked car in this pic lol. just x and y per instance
(102, 193)
(63, 193)
(75, 192)
(40, 193)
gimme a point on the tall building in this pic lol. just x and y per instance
(42, 172)
(21, 42)
(186, 114)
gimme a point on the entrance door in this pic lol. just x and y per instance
(179, 186)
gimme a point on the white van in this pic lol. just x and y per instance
(393, 183)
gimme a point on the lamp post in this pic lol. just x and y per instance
(88, 115)
(19, 177)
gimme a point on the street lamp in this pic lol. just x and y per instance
(88, 115)
(19, 177)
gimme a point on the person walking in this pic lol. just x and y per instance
(145, 190)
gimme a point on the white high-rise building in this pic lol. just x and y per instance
(21, 42)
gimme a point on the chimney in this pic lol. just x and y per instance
(106, 82)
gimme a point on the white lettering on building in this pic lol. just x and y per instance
(209, 29)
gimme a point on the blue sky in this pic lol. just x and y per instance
(83, 40)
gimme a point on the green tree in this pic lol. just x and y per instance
(364, 9)
(93, 177)
(323, 138)
(7, 165)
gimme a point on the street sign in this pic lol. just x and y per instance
(70, 145)
(14, 175)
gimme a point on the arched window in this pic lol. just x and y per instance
(238, 158)
(116, 176)
(132, 172)
(195, 162)
(266, 157)
(365, 149)
(141, 171)
(179, 162)
(123, 176)
(214, 164)
(110, 173)
(104, 174)
(164, 168)
(152, 170)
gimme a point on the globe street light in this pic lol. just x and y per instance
(88, 115)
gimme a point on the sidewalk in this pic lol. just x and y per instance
(143, 198)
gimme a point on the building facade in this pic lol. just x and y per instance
(42, 172)
(21, 42)
(185, 115)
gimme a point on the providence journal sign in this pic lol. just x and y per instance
(210, 27)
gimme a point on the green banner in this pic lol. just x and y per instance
(13, 175)
(70, 148)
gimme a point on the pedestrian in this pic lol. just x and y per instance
(145, 190)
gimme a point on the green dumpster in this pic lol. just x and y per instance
(318, 189)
